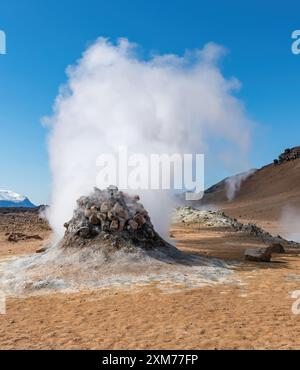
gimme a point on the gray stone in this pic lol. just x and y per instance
(122, 224)
(258, 254)
(133, 225)
(84, 232)
(114, 225)
(139, 219)
(40, 250)
(119, 211)
(105, 207)
(87, 213)
(277, 248)
(102, 216)
(94, 220)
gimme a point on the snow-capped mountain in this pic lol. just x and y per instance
(10, 199)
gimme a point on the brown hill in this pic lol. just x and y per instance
(262, 196)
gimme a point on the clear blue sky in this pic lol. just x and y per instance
(43, 37)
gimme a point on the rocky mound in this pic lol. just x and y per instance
(218, 219)
(109, 242)
(112, 220)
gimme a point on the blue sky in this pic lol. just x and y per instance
(43, 37)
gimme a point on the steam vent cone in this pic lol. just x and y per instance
(112, 220)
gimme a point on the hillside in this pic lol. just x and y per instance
(263, 196)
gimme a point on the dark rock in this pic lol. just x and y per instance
(258, 254)
(15, 237)
(288, 155)
(114, 225)
(40, 250)
(134, 225)
(84, 232)
(277, 248)
(94, 220)
(105, 207)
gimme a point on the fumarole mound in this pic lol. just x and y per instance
(109, 242)
(112, 220)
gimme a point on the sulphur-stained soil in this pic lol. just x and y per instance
(255, 311)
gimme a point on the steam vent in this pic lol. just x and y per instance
(111, 220)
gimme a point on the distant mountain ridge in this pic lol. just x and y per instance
(10, 199)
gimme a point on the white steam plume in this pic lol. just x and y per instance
(289, 222)
(164, 104)
(233, 183)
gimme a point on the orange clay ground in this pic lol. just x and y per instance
(253, 314)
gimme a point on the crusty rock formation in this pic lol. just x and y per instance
(218, 219)
(113, 220)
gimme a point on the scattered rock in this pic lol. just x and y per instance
(36, 237)
(217, 219)
(258, 254)
(15, 237)
(40, 250)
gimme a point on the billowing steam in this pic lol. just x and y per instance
(289, 223)
(163, 104)
(233, 183)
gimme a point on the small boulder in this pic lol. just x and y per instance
(12, 238)
(40, 250)
(122, 223)
(119, 211)
(105, 207)
(94, 220)
(258, 254)
(139, 219)
(87, 213)
(277, 248)
(133, 225)
(114, 225)
(36, 237)
(102, 216)
(84, 232)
